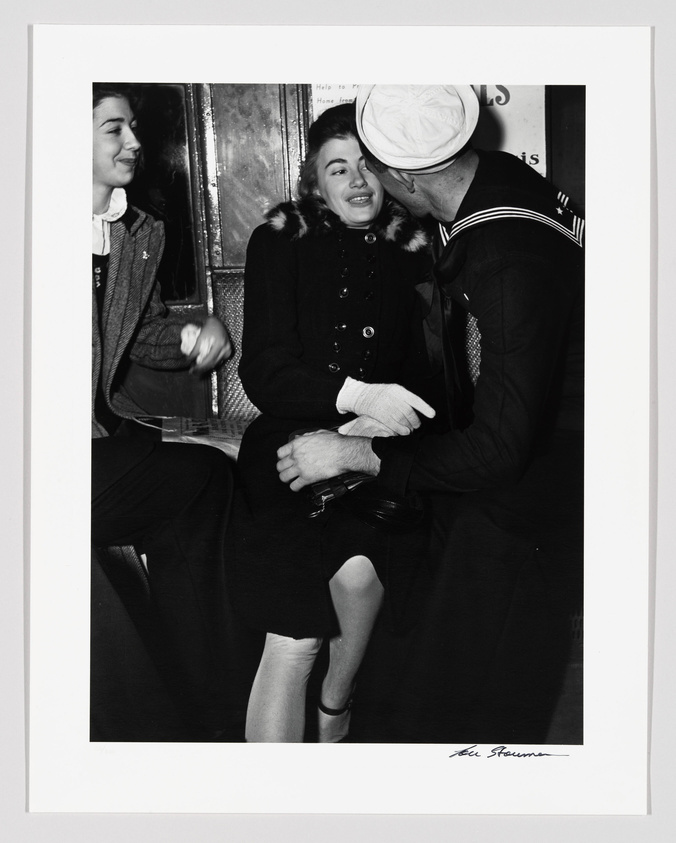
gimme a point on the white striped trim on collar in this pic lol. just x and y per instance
(574, 232)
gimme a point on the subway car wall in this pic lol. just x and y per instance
(216, 156)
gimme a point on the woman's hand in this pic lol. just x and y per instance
(206, 346)
(365, 426)
(388, 403)
(323, 454)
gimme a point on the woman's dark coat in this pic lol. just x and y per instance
(322, 302)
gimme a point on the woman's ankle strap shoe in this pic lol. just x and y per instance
(334, 712)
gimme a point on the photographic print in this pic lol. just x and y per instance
(346, 433)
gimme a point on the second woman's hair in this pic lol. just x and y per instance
(336, 122)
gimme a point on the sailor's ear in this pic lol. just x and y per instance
(406, 180)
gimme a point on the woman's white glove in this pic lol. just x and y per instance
(388, 403)
(365, 426)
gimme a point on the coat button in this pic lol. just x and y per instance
(336, 346)
(370, 237)
(344, 293)
(366, 354)
(368, 332)
(344, 272)
(361, 372)
(368, 295)
(341, 326)
(334, 367)
(371, 273)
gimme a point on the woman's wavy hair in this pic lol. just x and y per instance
(103, 90)
(336, 122)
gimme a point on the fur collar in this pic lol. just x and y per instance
(311, 217)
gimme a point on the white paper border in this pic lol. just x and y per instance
(608, 774)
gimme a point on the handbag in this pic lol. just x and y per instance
(361, 495)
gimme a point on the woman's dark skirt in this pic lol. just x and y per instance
(281, 558)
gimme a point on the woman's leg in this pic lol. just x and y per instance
(276, 710)
(357, 595)
(171, 501)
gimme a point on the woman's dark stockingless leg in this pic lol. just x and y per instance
(172, 502)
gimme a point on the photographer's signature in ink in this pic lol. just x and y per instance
(501, 752)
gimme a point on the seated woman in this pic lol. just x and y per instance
(330, 329)
(171, 501)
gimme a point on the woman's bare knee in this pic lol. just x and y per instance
(356, 576)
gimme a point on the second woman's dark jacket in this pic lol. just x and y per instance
(318, 296)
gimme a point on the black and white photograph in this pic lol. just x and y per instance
(261, 271)
(345, 478)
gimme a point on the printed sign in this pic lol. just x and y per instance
(512, 117)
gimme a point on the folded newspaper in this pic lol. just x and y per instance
(225, 434)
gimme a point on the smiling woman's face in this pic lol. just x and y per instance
(347, 187)
(116, 147)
